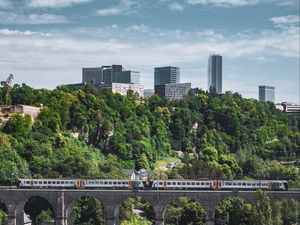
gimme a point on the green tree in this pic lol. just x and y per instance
(263, 210)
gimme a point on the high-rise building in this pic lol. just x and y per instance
(127, 77)
(166, 75)
(106, 75)
(92, 75)
(215, 73)
(266, 93)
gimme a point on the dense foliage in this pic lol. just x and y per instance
(236, 211)
(184, 211)
(225, 136)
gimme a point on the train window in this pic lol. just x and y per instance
(207, 183)
(160, 183)
(202, 183)
(114, 182)
(178, 183)
(49, 182)
(58, 182)
(188, 183)
(123, 182)
(105, 182)
(239, 184)
(97, 182)
(248, 184)
(67, 182)
(193, 183)
(45, 182)
(183, 183)
(40, 182)
(253, 184)
(28, 182)
(109, 182)
(173, 183)
(243, 184)
(71, 182)
(119, 182)
(168, 183)
(35, 182)
(101, 182)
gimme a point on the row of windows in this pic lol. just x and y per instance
(245, 184)
(108, 182)
(51, 182)
(186, 183)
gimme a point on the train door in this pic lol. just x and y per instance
(215, 184)
(129, 185)
(77, 183)
(165, 185)
(31, 184)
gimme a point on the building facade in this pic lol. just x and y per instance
(128, 77)
(173, 91)
(166, 75)
(92, 75)
(106, 75)
(266, 93)
(215, 73)
(123, 88)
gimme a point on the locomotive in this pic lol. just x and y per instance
(272, 185)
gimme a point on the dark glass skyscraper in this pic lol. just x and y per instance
(215, 73)
(166, 75)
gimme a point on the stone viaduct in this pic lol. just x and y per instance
(63, 201)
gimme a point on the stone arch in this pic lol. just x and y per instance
(69, 209)
(148, 210)
(24, 204)
(214, 216)
(177, 201)
(3, 206)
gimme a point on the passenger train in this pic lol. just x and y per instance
(274, 185)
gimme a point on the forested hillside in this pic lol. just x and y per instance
(92, 133)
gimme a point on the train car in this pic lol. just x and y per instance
(275, 185)
(49, 183)
(112, 184)
(185, 184)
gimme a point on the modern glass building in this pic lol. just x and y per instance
(166, 75)
(106, 75)
(215, 73)
(266, 93)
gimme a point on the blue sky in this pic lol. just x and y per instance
(45, 43)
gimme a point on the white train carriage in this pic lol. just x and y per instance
(49, 183)
(112, 184)
(253, 184)
(184, 184)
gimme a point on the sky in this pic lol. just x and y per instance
(45, 43)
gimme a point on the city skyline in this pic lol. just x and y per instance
(46, 43)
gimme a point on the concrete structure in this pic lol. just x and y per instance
(166, 75)
(266, 93)
(290, 109)
(63, 201)
(173, 91)
(6, 111)
(106, 75)
(123, 88)
(215, 73)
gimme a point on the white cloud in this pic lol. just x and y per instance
(223, 3)
(13, 18)
(5, 4)
(289, 20)
(176, 7)
(125, 6)
(54, 3)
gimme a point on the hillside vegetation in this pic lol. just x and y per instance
(92, 133)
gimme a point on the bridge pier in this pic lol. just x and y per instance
(11, 220)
